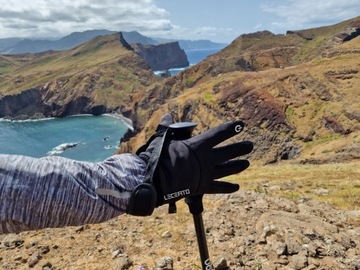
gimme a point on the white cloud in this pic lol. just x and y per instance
(258, 26)
(209, 31)
(60, 17)
(303, 14)
(206, 30)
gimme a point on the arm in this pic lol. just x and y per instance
(53, 191)
(57, 192)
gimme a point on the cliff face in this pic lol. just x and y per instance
(163, 56)
(34, 103)
(20, 105)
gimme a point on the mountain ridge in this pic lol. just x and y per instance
(28, 45)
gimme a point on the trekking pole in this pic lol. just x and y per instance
(182, 131)
(196, 208)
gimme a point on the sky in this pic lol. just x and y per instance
(216, 20)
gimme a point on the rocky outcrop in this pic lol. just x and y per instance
(163, 56)
(25, 105)
(124, 42)
(32, 103)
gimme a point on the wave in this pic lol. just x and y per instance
(173, 71)
(107, 147)
(61, 148)
(79, 115)
(26, 120)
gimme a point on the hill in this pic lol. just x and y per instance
(96, 77)
(296, 92)
(297, 95)
(29, 45)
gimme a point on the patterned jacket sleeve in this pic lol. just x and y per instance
(53, 191)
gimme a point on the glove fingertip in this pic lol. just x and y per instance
(223, 187)
(216, 135)
(167, 119)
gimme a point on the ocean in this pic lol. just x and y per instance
(194, 56)
(197, 55)
(87, 138)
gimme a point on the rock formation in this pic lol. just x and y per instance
(163, 56)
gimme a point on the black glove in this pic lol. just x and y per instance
(188, 167)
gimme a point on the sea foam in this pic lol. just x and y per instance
(61, 148)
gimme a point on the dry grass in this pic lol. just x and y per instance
(337, 183)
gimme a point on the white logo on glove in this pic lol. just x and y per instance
(238, 128)
(176, 194)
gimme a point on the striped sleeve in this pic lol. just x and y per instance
(38, 193)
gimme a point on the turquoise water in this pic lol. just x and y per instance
(89, 138)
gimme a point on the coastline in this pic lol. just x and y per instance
(125, 120)
(80, 137)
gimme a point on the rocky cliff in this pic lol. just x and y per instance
(22, 104)
(163, 56)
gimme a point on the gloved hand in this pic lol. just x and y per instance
(189, 167)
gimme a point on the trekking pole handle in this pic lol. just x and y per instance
(183, 131)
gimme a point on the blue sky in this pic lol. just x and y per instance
(219, 21)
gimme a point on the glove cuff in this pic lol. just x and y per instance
(144, 197)
(143, 200)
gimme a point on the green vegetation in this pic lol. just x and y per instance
(290, 112)
(337, 184)
(101, 69)
(208, 96)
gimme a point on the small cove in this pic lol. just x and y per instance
(81, 137)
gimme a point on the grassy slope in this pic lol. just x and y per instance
(317, 96)
(297, 89)
(101, 67)
(335, 183)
